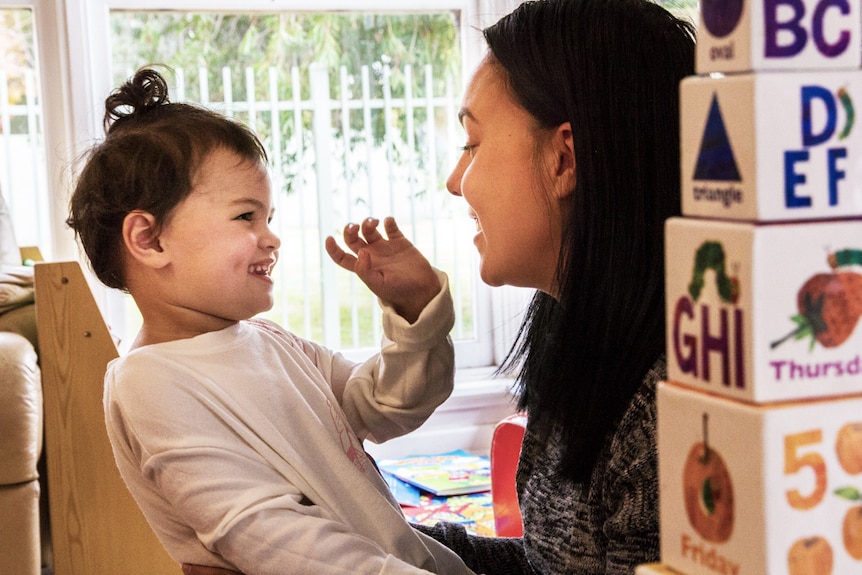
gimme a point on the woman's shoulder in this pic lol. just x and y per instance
(635, 434)
(656, 373)
(644, 396)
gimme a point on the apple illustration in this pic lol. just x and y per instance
(848, 447)
(708, 493)
(810, 556)
(852, 532)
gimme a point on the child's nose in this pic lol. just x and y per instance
(271, 240)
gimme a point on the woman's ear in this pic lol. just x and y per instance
(141, 237)
(563, 146)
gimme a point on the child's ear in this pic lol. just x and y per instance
(141, 236)
(565, 172)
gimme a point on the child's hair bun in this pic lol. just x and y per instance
(142, 93)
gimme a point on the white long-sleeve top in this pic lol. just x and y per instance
(243, 447)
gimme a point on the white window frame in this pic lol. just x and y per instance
(56, 110)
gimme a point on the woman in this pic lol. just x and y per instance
(570, 168)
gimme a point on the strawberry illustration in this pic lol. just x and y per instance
(830, 305)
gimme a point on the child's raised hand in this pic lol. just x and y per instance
(390, 266)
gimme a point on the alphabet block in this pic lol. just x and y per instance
(772, 146)
(741, 36)
(655, 569)
(769, 489)
(764, 312)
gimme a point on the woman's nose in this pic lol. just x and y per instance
(453, 182)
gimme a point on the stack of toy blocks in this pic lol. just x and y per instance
(760, 423)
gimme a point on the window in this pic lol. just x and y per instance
(71, 50)
(102, 41)
(70, 43)
(357, 112)
(23, 168)
(377, 136)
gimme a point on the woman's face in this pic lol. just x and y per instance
(517, 212)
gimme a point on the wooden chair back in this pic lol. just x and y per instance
(96, 526)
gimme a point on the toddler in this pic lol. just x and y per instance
(241, 442)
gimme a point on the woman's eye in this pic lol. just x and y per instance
(468, 149)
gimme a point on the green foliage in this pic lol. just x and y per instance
(194, 41)
(18, 50)
(210, 43)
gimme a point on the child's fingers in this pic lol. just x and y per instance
(362, 265)
(391, 227)
(352, 238)
(351, 234)
(338, 255)
(370, 231)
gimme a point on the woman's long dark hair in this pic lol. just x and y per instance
(612, 69)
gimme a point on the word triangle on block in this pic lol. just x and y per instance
(762, 35)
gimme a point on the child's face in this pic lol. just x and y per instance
(221, 247)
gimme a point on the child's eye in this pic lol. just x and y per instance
(467, 149)
(248, 216)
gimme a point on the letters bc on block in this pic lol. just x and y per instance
(761, 35)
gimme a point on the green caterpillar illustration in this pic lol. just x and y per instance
(710, 256)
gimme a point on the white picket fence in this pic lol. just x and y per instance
(327, 170)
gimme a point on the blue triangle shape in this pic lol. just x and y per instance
(715, 160)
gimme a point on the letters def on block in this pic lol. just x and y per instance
(774, 146)
(765, 489)
(764, 312)
(760, 35)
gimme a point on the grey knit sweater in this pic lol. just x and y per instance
(605, 527)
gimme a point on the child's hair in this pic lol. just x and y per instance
(148, 161)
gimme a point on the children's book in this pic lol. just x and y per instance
(474, 511)
(452, 473)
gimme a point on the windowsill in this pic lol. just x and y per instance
(464, 421)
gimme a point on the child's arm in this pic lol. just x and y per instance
(390, 266)
(397, 389)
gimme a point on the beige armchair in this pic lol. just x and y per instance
(20, 438)
(20, 448)
(96, 527)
